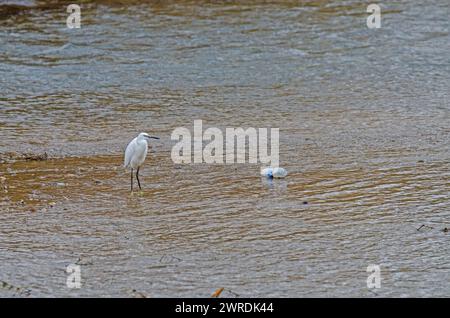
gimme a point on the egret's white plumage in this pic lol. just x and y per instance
(135, 154)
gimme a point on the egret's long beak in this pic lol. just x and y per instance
(152, 137)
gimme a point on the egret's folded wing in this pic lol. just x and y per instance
(128, 154)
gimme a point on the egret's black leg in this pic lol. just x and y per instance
(131, 179)
(137, 177)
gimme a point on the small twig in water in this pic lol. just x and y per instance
(217, 292)
(169, 258)
(233, 293)
(423, 225)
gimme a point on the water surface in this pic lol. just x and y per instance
(364, 130)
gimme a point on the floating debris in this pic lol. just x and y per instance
(35, 157)
(19, 290)
(84, 261)
(138, 294)
(169, 259)
(274, 172)
(422, 226)
(28, 156)
(217, 292)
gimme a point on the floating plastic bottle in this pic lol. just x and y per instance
(270, 172)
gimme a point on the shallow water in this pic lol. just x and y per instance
(364, 131)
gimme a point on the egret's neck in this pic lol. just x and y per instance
(142, 140)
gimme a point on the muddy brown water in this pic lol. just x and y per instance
(364, 133)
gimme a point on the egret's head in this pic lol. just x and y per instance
(145, 135)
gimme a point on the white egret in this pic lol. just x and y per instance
(135, 154)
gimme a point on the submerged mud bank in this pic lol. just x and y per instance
(35, 182)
